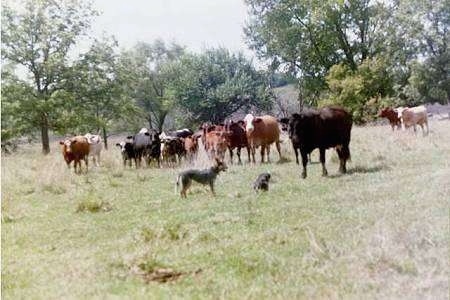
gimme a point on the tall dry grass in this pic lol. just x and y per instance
(379, 232)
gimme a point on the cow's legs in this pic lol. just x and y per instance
(304, 162)
(322, 161)
(268, 153)
(238, 153)
(277, 144)
(231, 154)
(342, 160)
(86, 161)
(253, 149)
(296, 155)
(248, 153)
(262, 153)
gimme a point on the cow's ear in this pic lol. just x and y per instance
(257, 120)
(61, 142)
(130, 137)
(117, 144)
(147, 133)
(296, 116)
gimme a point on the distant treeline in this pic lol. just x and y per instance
(359, 54)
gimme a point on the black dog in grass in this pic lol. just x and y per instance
(206, 176)
(262, 182)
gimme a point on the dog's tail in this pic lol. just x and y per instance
(177, 183)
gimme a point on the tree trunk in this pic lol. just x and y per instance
(105, 138)
(44, 135)
(162, 118)
(149, 119)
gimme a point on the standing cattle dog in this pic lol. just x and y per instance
(206, 176)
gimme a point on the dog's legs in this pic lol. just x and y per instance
(211, 185)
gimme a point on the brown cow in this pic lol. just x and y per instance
(262, 131)
(216, 143)
(191, 146)
(208, 127)
(75, 149)
(392, 115)
(237, 138)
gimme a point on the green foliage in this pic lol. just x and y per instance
(145, 72)
(38, 38)
(99, 89)
(213, 85)
(309, 37)
(359, 91)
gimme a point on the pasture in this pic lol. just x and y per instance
(380, 231)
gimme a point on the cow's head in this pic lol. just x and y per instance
(121, 146)
(297, 126)
(67, 144)
(250, 122)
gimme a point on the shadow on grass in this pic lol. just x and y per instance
(361, 170)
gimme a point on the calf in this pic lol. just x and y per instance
(392, 115)
(216, 144)
(325, 128)
(237, 138)
(95, 147)
(173, 149)
(127, 151)
(262, 131)
(75, 149)
(191, 146)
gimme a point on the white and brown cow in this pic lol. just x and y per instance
(413, 116)
(262, 131)
(95, 147)
(75, 149)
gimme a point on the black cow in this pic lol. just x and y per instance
(328, 127)
(127, 151)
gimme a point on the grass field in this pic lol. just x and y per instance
(382, 231)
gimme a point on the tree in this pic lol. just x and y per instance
(39, 38)
(361, 91)
(429, 24)
(215, 84)
(148, 78)
(309, 37)
(99, 89)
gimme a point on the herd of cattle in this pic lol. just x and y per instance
(310, 129)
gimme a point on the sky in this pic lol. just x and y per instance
(197, 24)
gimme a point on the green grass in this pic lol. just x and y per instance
(379, 232)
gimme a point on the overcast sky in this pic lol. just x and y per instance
(197, 24)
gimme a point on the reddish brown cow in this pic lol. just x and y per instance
(75, 149)
(237, 138)
(262, 131)
(208, 127)
(191, 146)
(392, 116)
(216, 143)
